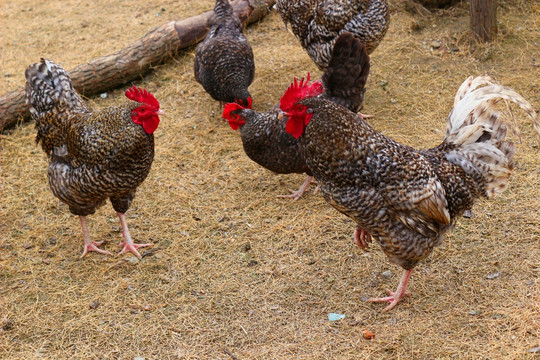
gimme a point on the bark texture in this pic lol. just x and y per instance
(483, 20)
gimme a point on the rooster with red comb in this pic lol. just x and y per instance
(264, 135)
(95, 154)
(405, 199)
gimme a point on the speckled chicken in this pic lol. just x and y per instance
(318, 23)
(224, 63)
(405, 198)
(263, 135)
(94, 155)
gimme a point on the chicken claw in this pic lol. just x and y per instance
(295, 195)
(395, 297)
(89, 244)
(361, 238)
(128, 244)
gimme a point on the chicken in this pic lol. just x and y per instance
(318, 23)
(263, 135)
(94, 155)
(224, 63)
(404, 198)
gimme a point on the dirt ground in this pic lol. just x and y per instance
(239, 273)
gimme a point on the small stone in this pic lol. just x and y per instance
(139, 358)
(387, 274)
(7, 325)
(493, 276)
(435, 44)
(103, 95)
(28, 246)
(468, 214)
(94, 305)
(252, 263)
(475, 312)
(535, 350)
(246, 247)
(384, 83)
(133, 260)
(52, 241)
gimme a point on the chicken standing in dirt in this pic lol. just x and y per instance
(263, 135)
(405, 198)
(95, 155)
(224, 63)
(318, 23)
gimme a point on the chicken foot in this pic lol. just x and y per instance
(128, 244)
(90, 245)
(361, 238)
(395, 297)
(295, 195)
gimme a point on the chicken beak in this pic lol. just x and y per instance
(281, 114)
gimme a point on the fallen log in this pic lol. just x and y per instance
(111, 71)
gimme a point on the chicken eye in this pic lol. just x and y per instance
(235, 116)
(143, 110)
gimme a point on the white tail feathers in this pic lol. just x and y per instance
(477, 128)
(47, 86)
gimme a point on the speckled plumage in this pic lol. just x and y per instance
(224, 63)
(406, 198)
(263, 135)
(318, 23)
(267, 143)
(95, 155)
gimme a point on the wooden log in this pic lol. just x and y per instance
(483, 15)
(111, 71)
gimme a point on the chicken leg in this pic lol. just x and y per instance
(90, 245)
(128, 244)
(361, 238)
(395, 297)
(295, 195)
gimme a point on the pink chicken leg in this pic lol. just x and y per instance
(90, 245)
(395, 297)
(128, 244)
(295, 195)
(361, 238)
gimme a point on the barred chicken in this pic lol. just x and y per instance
(404, 198)
(224, 63)
(318, 23)
(263, 135)
(94, 155)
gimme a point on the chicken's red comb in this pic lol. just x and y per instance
(298, 91)
(249, 104)
(230, 107)
(141, 95)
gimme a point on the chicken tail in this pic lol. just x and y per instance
(345, 78)
(49, 85)
(223, 9)
(479, 132)
(51, 99)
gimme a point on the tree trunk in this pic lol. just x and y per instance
(483, 20)
(111, 71)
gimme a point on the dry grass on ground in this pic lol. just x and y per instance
(238, 273)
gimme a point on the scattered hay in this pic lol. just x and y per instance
(238, 272)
